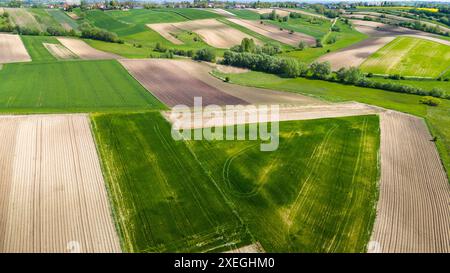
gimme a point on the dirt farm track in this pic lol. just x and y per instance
(53, 194)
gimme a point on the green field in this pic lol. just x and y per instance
(437, 118)
(44, 19)
(62, 18)
(71, 86)
(141, 40)
(213, 195)
(36, 49)
(309, 25)
(409, 56)
(346, 37)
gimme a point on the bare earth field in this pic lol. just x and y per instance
(380, 35)
(173, 85)
(12, 49)
(215, 33)
(198, 73)
(280, 12)
(413, 213)
(356, 54)
(85, 51)
(214, 118)
(167, 30)
(274, 32)
(60, 51)
(53, 197)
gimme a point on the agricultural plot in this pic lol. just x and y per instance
(67, 22)
(413, 212)
(12, 49)
(53, 197)
(213, 32)
(409, 56)
(304, 12)
(75, 86)
(173, 85)
(36, 49)
(356, 54)
(222, 12)
(23, 18)
(163, 199)
(244, 14)
(44, 19)
(84, 51)
(273, 32)
(60, 52)
(279, 12)
(311, 26)
(280, 206)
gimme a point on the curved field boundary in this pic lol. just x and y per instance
(274, 32)
(12, 49)
(85, 51)
(380, 35)
(53, 197)
(413, 213)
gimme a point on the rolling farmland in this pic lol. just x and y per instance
(76, 86)
(409, 56)
(287, 212)
(53, 194)
(84, 51)
(35, 47)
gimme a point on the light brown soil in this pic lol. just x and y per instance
(306, 13)
(280, 12)
(12, 49)
(413, 213)
(73, 15)
(53, 197)
(356, 54)
(274, 32)
(231, 69)
(173, 85)
(167, 30)
(286, 113)
(59, 51)
(215, 33)
(85, 51)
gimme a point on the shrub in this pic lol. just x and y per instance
(436, 92)
(227, 79)
(320, 70)
(159, 47)
(349, 76)
(87, 31)
(302, 45)
(205, 54)
(319, 43)
(430, 101)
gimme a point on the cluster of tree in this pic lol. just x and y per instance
(90, 32)
(265, 63)
(354, 76)
(443, 15)
(274, 16)
(431, 101)
(170, 51)
(5, 23)
(248, 45)
(205, 54)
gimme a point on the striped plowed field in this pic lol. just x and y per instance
(413, 213)
(12, 49)
(52, 194)
(85, 51)
(274, 32)
(172, 84)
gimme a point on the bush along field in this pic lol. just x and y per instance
(218, 195)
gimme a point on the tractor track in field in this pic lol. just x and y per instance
(413, 212)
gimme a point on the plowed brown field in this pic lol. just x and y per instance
(85, 51)
(52, 194)
(274, 32)
(12, 49)
(413, 213)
